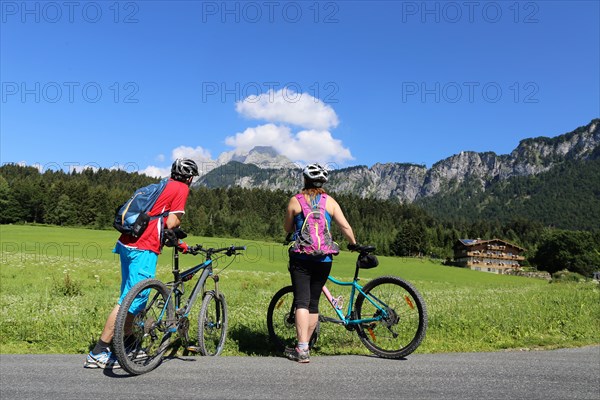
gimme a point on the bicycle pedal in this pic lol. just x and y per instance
(193, 349)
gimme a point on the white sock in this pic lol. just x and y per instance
(303, 346)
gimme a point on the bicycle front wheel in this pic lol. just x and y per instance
(144, 327)
(212, 324)
(281, 320)
(400, 317)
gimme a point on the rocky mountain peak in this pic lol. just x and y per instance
(261, 156)
(410, 182)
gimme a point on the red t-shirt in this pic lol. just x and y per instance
(171, 200)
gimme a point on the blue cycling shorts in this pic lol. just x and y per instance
(136, 265)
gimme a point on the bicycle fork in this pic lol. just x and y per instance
(190, 347)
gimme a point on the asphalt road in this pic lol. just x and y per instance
(556, 374)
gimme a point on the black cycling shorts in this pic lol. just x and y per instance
(308, 279)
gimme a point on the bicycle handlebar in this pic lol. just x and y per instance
(362, 249)
(230, 251)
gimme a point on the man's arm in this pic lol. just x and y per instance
(174, 220)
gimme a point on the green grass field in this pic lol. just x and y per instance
(57, 286)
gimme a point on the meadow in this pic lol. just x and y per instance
(58, 284)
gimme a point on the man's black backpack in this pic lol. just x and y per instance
(132, 216)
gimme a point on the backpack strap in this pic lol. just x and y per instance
(306, 209)
(162, 185)
(322, 202)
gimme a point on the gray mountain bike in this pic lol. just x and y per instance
(145, 332)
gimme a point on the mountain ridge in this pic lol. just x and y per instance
(408, 182)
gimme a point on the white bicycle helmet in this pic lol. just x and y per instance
(184, 168)
(316, 174)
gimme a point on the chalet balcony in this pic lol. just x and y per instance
(497, 256)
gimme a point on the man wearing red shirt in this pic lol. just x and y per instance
(140, 255)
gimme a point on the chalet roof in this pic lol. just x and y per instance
(472, 242)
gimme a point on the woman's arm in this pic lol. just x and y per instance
(338, 217)
(292, 210)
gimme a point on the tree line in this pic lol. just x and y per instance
(566, 196)
(89, 199)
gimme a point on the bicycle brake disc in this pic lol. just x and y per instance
(183, 328)
(391, 318)
(148, 325)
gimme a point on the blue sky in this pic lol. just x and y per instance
(137, 83)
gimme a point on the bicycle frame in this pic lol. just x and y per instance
(178, 288)
(348, 318)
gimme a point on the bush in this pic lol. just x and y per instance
(567, 277)
(68, 287)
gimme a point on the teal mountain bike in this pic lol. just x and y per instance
(388, 313)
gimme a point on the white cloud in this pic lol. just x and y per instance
(156, 172)
(288, 107)
(320, 146)
(195, 153)
(263, 135)
(305, 146)
(281, 109)
(198, 154)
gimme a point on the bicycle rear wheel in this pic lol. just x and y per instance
(281, 320)
(212, 324)
(141, 339)
(401, 328)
